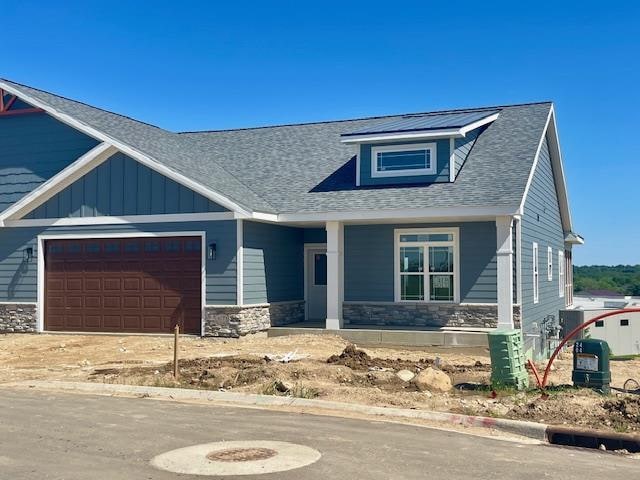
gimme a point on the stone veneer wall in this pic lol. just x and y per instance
(423, 315)
(17, 318)
(236, 321)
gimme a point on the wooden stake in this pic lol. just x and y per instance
(175, 351)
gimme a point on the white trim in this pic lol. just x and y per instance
(307, 248)
(451, 132)
(558, 169)
(562, 282)
(402, 136)
(455, 243)
(452, 159)
(41, 239)
(358, 166)
(535, 272)
(549, 264)
(504, 271)
(478, 123)
(444, 213)
(130, 151)
(18, 303)
(127, 219)
(430, 170)
(519, 260)
(335, 274)
(85, 163)
(239, 263)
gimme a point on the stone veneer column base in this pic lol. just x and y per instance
(236, 321)
(18, 318)
(425, 315)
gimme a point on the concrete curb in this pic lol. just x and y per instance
(537, 431)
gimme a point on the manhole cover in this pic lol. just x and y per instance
(237, 458)
(241, 454)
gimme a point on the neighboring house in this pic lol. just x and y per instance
(433, 221)
(621, 332)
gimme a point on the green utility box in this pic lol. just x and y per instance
(591, 365)
(507, 359)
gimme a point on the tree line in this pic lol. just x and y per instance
(624, 279)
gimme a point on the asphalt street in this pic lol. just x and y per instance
(69, 436)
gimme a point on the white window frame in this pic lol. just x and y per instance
(455, 243)
(549, 264)
(536, 274)
(561, 274)
(433, 155)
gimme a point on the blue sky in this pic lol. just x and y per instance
(207, 65)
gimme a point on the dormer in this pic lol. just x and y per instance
(417, 149)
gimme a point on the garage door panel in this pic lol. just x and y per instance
(132, 322)
(112, 302)
(112, 284)
(73, 284)
(136, 285)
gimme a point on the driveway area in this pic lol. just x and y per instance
(62, 436)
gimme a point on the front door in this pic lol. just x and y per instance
(316, 282)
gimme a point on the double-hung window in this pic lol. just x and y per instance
(549, 263)
(561, 285)
(403, 160)
(427, 265)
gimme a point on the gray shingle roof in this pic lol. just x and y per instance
(305, 168)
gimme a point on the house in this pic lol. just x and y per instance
(444, 221)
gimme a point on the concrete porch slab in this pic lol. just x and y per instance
(389, 337)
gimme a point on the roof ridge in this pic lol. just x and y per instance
(2, 79)
(374, 117)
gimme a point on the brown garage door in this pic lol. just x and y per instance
(123, 285)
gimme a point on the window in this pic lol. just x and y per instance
(403, 160)
(536, 285)
(624, 322)
(561, 274)
(320, 269)
(427, 265)
(600, 323)
(549, 263)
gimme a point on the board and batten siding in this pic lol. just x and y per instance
(273, 259)
(18, 277)
(369, 270)
(35, 147)
(122, 186)
(541, 223)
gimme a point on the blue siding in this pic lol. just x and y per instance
(369, 256)
(273, 263)
(541, 223)
(34, 148)
(18, 279)
(122, 186)
(315, 235)
(442, 166)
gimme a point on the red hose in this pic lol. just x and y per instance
(572, 333)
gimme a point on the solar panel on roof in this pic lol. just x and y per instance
(412, 123)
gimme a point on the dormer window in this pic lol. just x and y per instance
(403, 160)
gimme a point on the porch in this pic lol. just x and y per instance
(444, 283)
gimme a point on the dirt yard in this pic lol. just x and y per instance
(326, 371)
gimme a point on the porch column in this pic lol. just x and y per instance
(335, 282)
(504, 254)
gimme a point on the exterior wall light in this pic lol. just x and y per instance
(27, 254)
(211, 251)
